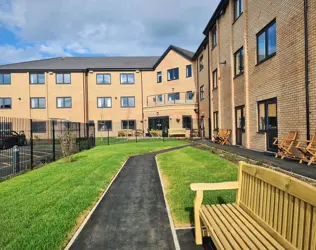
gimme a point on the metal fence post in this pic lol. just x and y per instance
(54, 143)
(79, 136)
(136, 135)
(88, 135)
(108, 137)
(16, 158)
(31, 140)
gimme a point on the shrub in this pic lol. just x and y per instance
(68, 144)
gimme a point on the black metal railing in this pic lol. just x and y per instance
(173, 98)
(29, 143)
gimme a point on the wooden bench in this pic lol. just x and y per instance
(177, 132)
(272, 211)
(222, 136)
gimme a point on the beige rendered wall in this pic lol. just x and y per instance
(183, 84)
(115, 90)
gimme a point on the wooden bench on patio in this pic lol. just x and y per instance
(177, 132)
(272, 211)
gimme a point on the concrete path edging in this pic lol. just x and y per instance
(73, 238)
(172, 226)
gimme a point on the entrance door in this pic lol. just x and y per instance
(272, 123)
(240, 124)
(159, 123)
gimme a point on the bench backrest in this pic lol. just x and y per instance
(291, 137)
(283, 205)
(312, 144)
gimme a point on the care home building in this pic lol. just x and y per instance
(254, 73)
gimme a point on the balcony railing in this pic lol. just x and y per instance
(174, 98)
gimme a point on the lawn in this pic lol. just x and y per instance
(42, 208)
(116, 140)
(189, 165)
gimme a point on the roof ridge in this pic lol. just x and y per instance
(37, 60)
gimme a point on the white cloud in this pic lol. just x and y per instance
(125, 27)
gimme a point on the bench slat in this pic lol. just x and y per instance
(228, 224)
(216, 232)
(285, 214)
(307, 232)
(295, 221)
(265, 238)
(226, 232)
(280, 217)
(249, 238)
(313, 234)
(300, 236)
(274, 236)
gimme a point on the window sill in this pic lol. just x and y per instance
(37, 83)
(63, 83)
(173, 80)
(215, 89)
(127, 83)
(5, 84)
(104, 107)
(261, 132)
(38, 108)
(240, 74)
(213, 47)
(103, 83)
(202, 99)
(237, 18)
(266, 59)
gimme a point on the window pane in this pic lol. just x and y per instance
(176, 96)
(124, 101)
(7, 103)
(34, 103)
(100, 102)
(1, 78)
(60, 102)
(169, 75)
(262, 123)
(108, 103)
(239, 119)
(60, 78)
(132, 125)
(272, 39)
(159, 98)
(67, 102)
(237, 64)
(41, 103)
(123, 78)
(41, 78)
(189, 95)
(66, 78)
(242, 60)
(6, 78)
(1, 103)
(107, 78)
(131, 101)
(124, 124)
(130, 78)
(99, 79)
(33, 78)
(272, 115)
(261, 47)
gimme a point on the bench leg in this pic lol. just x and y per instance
(311, 161)
(197, 220)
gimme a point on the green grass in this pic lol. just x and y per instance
(189, 165)
(116, 140)
(40, 209)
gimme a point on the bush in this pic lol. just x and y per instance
(68, 144)
(155, 133)
(139, 132)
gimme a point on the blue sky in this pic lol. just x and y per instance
(35, 29)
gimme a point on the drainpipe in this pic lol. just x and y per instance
(198, 95)
(306, 68)
(142, 92)
(209, 94)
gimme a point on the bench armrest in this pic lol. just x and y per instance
(214, 186)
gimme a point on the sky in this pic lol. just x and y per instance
(36, 29)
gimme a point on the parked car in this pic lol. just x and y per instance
(8, 139)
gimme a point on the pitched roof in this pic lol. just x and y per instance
(95, 63)
(183, 52)
(83, 63)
